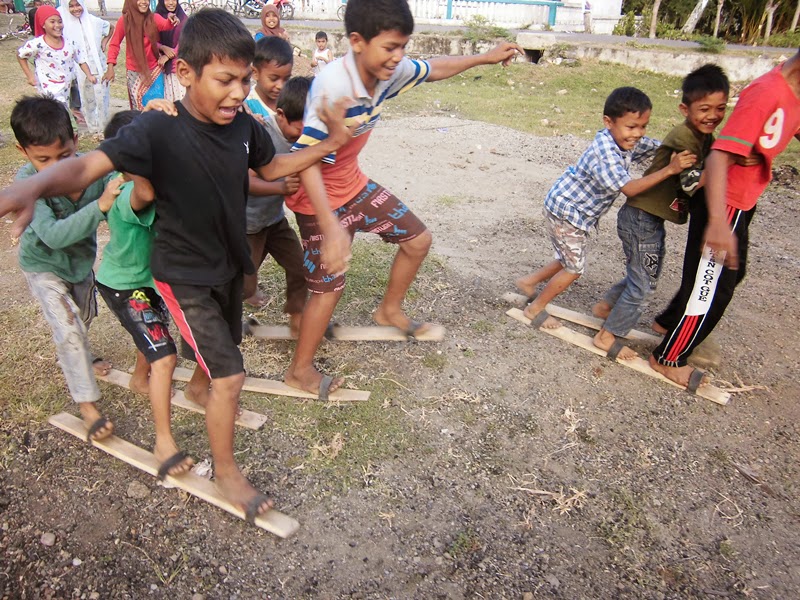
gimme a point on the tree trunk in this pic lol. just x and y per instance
(795, 17)
(654, 19)
(720, 4)
(691, 22)
(770, 12)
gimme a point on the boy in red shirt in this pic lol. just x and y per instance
(765, 120)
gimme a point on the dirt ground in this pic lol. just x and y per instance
(524, 467)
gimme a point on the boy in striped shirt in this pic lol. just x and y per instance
(374, 70)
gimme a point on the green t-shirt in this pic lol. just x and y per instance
(62, 237)
(126, 257)
(670, 198)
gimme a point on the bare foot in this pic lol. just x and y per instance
(163, 451)
(526, 288)
(601, 310)
(258, 299)
(309, 380)
(294, 325)
(658, 328)
(531, 311)
(198, 395)
(140, 385)
(400, 321)
(101, 367)
(679, 375)
(239, 492)
(90, 416)
(605, 340)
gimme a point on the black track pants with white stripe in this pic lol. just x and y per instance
(706, 288)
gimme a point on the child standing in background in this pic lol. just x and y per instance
(54, 57)
(271, 24)
(322, 54)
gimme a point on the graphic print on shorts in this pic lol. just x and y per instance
(155, 331)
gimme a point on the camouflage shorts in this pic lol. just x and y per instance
(570, 243)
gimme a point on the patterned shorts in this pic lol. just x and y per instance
(570, 243)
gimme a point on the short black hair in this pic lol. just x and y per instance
(371, 17)
(703, 81)
(273, 48)
(292, 99)
(118, 121)
(41, 121)
(213, 32)
(321, 35)
(626, 100)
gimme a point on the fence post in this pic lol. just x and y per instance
(449, 9)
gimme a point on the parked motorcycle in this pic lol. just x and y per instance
(285, 9)
(250, 9)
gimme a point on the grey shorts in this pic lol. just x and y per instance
(569, 242)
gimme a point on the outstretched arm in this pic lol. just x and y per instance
(443, 67)
(67, 177)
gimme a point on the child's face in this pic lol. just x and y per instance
(143, 6)
(171, 5)
(271, 20)
(54, 26)
(216, 94)
(322, 43)
(705, 115)
(378, 58)
(42, 157)
(291, 130)
(75, 9)
(270, 79)
(628, 129)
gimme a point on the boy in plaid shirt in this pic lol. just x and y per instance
(586, 191)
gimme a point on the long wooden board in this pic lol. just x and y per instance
(708, 391)
(341, 333)
(247, 419)
(581, 319)
(278, 388)
(273, 521)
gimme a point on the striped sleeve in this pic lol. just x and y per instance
(746, 123)
(408, 74)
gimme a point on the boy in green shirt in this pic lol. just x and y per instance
(58, 250)
(125, 282)
(640, 221)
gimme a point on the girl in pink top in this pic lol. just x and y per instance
(140, 27)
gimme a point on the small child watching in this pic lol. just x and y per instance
(373, 71)
(585, 192)
(271, 24)
(272, 68)
(640, 221)
(58, 249)
(322, 54)
(126, 284)
(268, 230)
(54, 57)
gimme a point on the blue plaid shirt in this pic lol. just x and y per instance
(585, 192)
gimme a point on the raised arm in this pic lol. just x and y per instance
(67, 177)
(443, 67)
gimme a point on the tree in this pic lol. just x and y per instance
(654, 18)
(720, 4)
(769, 13)
(795, 17)
(691, 22)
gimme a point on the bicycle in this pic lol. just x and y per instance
(18, 29)
(250, 9)
(192, 7)
(340, 11)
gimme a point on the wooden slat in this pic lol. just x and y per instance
(341, 333)
(578, 318)
(278, 388)
(708, 391)
(248, 418)
(273, 521)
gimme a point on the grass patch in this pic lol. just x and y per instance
(465, 543)
(626, 522)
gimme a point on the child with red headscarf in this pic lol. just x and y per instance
(140, 27)
(54, 57)
(271, 23)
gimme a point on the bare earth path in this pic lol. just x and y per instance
(516, 464)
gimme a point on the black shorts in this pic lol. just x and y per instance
(144, 315)
(210, 321)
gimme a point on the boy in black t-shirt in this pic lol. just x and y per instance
(197, 163)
